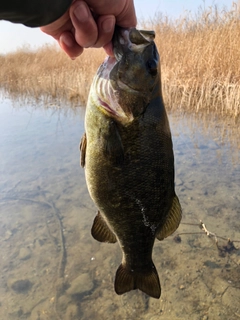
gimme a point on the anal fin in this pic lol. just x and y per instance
(173, 220)
(100, 230)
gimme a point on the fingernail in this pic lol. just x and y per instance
(67, 40)
(108, 25)
(81, 13)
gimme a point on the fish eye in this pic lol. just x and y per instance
(152, 67)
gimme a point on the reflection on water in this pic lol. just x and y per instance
(50, 266)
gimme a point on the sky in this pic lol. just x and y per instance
(14, 36)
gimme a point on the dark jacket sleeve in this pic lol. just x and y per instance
(33, 13)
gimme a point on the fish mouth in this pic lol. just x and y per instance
(130, 39)
(128, 43)
(115, 91)
(125, 86)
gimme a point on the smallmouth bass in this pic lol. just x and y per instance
(128, 158)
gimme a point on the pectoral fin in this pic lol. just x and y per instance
(83, 146)
(112, 145)
(100, 230)
(172, 222)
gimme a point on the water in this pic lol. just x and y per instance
(51, 267)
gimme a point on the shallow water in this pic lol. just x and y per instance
(51, 267)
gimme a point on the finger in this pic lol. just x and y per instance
(109, 49)
(123, 10)
(127, 18)
(86, 31)
(106, 25)
(68, 43)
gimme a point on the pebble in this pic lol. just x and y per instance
(178, 182)
(8, 235)
(24, 254)
(72, 312)
(63, 302)
(80, 285)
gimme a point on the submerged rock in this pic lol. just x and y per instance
(63, 302)
(8, 235)
(21, 286)
(81, 284)
(24, 254)
(231, 297)
(72, 312)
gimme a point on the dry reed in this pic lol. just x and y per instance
(200, 61)
(48, 72)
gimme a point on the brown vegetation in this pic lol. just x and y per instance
(200, 61)
(49, 73)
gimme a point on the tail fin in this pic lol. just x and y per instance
(148, 282)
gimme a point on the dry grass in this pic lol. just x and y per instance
(49, 73)
(200, 59)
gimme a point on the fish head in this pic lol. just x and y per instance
(126, 83)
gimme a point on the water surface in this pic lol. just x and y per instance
(51, 267)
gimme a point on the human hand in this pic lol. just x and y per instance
(91, 23)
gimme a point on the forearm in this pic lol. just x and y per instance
(33, 13)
